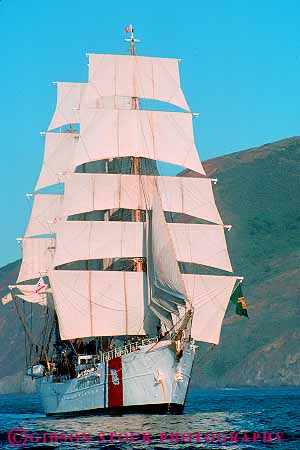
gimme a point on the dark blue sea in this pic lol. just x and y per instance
(213, 419)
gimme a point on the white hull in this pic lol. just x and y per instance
(149, 379)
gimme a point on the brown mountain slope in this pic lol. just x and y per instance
(258, 193)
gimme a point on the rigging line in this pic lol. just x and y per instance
(140, 123)
(22, 321)
(70, 342)
(43, 333)
(52, 330)
(169, 332)
(66, 358)
(90, 301)
(25, 342)
(126, 304)
(30, 355)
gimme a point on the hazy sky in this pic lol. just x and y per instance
(240, 70)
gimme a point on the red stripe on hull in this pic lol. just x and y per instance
(115, 383)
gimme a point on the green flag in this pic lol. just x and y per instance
(238, 298)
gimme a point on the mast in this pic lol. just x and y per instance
(136, 214)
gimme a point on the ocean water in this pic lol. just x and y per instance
(213, 419)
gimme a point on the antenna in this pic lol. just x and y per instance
(132, 39)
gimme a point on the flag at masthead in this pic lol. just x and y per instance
(132, 40)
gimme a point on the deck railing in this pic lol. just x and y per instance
(129, 348)
(92, 360)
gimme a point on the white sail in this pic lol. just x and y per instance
(58, 157)
(99, 303)
(84, 240)
(158, 135)
(37, 257)
(137, 76)
(95, 240)
(45, 214)
(73, 96)
(88, 192)
(200, 244)
(114, 102)
(209, 296)
(192, 196)
(67, 104)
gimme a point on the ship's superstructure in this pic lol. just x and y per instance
(122, 312)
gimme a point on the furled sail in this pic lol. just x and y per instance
(39, 299)
(37, 257)
(59, 152)
(89, 192)
(209, 296)
(137, 76)
(27, 292)
(166, 284)
(164, 316)
(96, 303)
(45, 214)
(158, 135)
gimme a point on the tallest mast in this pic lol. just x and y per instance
(138, 262)
(132, 42)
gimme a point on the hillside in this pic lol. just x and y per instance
(258, 193)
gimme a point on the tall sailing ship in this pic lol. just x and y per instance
(128, 266)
